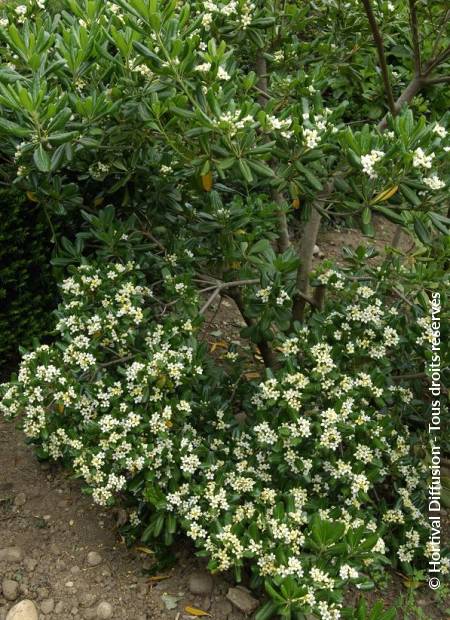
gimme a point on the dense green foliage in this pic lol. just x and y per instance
(28, 292)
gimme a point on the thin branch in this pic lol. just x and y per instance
(221, 287)
(154, 239)
(405, 299)
(266, 351)
(261, 72)
(319, 297)
(212, 297)
(283, 230)
(413, 375)
(118, 361)
(419, 375)
(415, 85)
(439, 30)
(439, 79)
(307, 243)
(378, 40)
(308, 299)
(438, 60)
(415, 38)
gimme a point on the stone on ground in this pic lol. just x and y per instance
(25, 610)
(243, 600)
(94, 558)
(104, 610)
(10, 589)
(200, 583)
(11, 554)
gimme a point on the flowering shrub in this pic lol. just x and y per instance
(315, 483)
(165, 103)
(209, 132)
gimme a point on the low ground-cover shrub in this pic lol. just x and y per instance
(317, 482)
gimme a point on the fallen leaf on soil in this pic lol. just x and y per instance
(193, 611)
(145, 550)
(158, 577)
(218, 343)
(170, 601)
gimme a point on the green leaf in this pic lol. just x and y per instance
(13, 129)
(267, 611)
(366, 216)
(312, 180)
(262, 169)
(390, 215)
(410, 195)
(245, 170)
(421, 232)
(42, 159)
(144, 51)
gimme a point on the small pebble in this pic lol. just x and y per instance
(43, 593)
(104, 610)
(59, 607)
(47, 606)
(87, 599)
(20, 499)
(10, 589)
(30, 564)
(94, 558)
(11, 554)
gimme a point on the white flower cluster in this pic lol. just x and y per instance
(100, 324)
(421, 160)
(241, 11)
(369, 161)
(313, 135)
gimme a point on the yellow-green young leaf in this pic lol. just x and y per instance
(193, 611)
(207, 181)
(32, 196)
(385, 195)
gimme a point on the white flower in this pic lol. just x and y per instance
(204, 68)
(263, 294)
(440, 130)
(312, 137)
(21, 9)
(420, 160)
(368, 162)
(434, 182)
(207, 20)
(222, 74)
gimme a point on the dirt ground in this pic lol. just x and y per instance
(68, 558)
